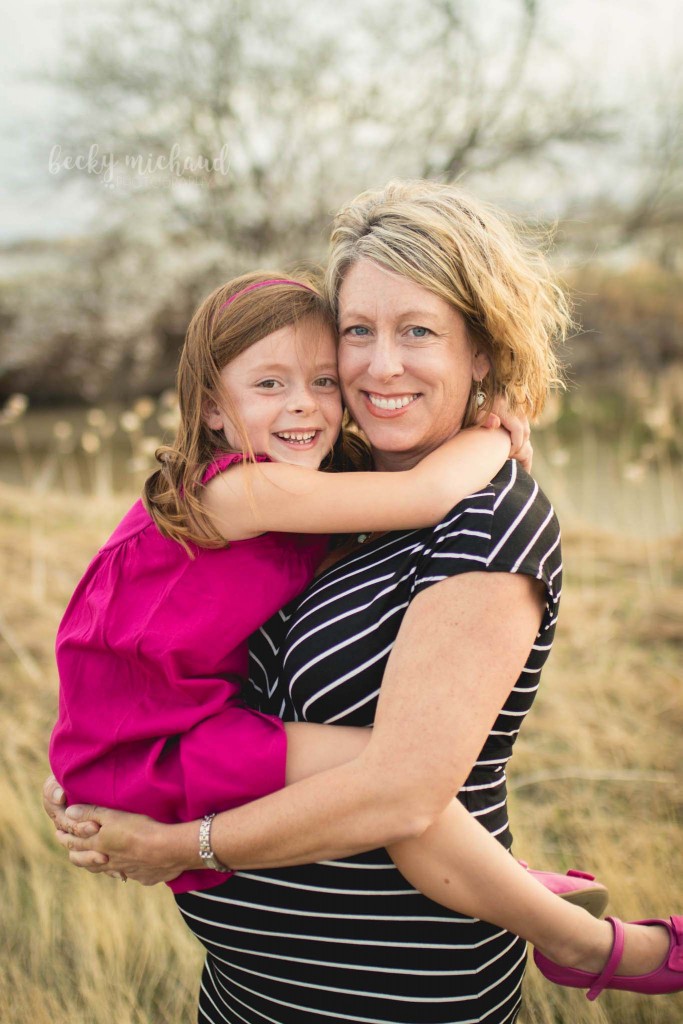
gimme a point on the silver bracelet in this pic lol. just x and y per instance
(209, 858)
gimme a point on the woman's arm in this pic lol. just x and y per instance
(460, 649)
(253, 499)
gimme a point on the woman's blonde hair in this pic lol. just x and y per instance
(478, 261)
(225, 325)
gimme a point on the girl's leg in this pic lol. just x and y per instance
(457, 863)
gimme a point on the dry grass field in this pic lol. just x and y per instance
(596, 780)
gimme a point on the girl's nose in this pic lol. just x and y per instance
(302, 401)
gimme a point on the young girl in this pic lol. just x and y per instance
(153, 645)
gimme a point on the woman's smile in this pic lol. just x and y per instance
(394, 404)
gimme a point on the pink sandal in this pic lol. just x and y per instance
(665, 979)
(577, 887)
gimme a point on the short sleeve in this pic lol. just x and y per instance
(223, 461)
(508, 526)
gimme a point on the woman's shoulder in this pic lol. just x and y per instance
(507, 526)
(525, 532)
(512, 496)
(513, 492)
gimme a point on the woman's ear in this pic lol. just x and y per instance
(481, 365)
(212, 414)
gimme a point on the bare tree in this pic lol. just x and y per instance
(486, 99)
(656, 205)
(635, 208)
(307, 103)
(225, 134)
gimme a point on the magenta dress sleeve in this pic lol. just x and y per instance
(152, 652)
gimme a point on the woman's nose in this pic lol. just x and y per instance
(385, 359)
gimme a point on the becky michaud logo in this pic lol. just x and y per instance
(106, 166)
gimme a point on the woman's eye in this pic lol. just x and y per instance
(357, 332)
(419, 332)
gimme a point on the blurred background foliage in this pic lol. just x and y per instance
(302, 106)
(217, 138)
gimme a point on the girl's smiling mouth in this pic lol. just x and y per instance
(298, 438)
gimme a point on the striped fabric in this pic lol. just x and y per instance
(350, 940)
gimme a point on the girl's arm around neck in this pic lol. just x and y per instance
(251, 499)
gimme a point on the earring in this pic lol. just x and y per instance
(480, 396)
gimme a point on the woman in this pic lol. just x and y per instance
(455, 622)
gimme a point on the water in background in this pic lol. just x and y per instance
(622, 475)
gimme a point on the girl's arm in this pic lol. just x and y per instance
(253, 499)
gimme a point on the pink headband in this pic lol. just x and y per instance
(262, 284)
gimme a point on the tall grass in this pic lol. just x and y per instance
(75, 949)
(596, 780)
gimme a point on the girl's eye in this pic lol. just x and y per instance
(419, 332)
(269, 384)
(325, 382)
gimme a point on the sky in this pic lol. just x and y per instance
(622, 39)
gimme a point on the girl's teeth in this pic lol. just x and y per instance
(391, 403)
(299, 438)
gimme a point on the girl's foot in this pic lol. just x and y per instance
(645, 948)
(644, 956)
(577, 887)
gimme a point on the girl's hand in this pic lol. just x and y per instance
(125, 845)
(518, 427)
(54, 805)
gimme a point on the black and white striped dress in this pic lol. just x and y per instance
(350, 940)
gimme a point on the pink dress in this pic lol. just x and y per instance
(151, 653)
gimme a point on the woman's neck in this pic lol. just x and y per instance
(398, 462)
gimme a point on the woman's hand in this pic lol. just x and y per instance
(126, 845)
(114, 842)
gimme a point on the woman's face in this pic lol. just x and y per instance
(406, 364)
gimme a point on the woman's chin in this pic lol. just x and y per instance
(413, 444)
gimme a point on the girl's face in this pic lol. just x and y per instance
(285, 390)
(406, 364)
